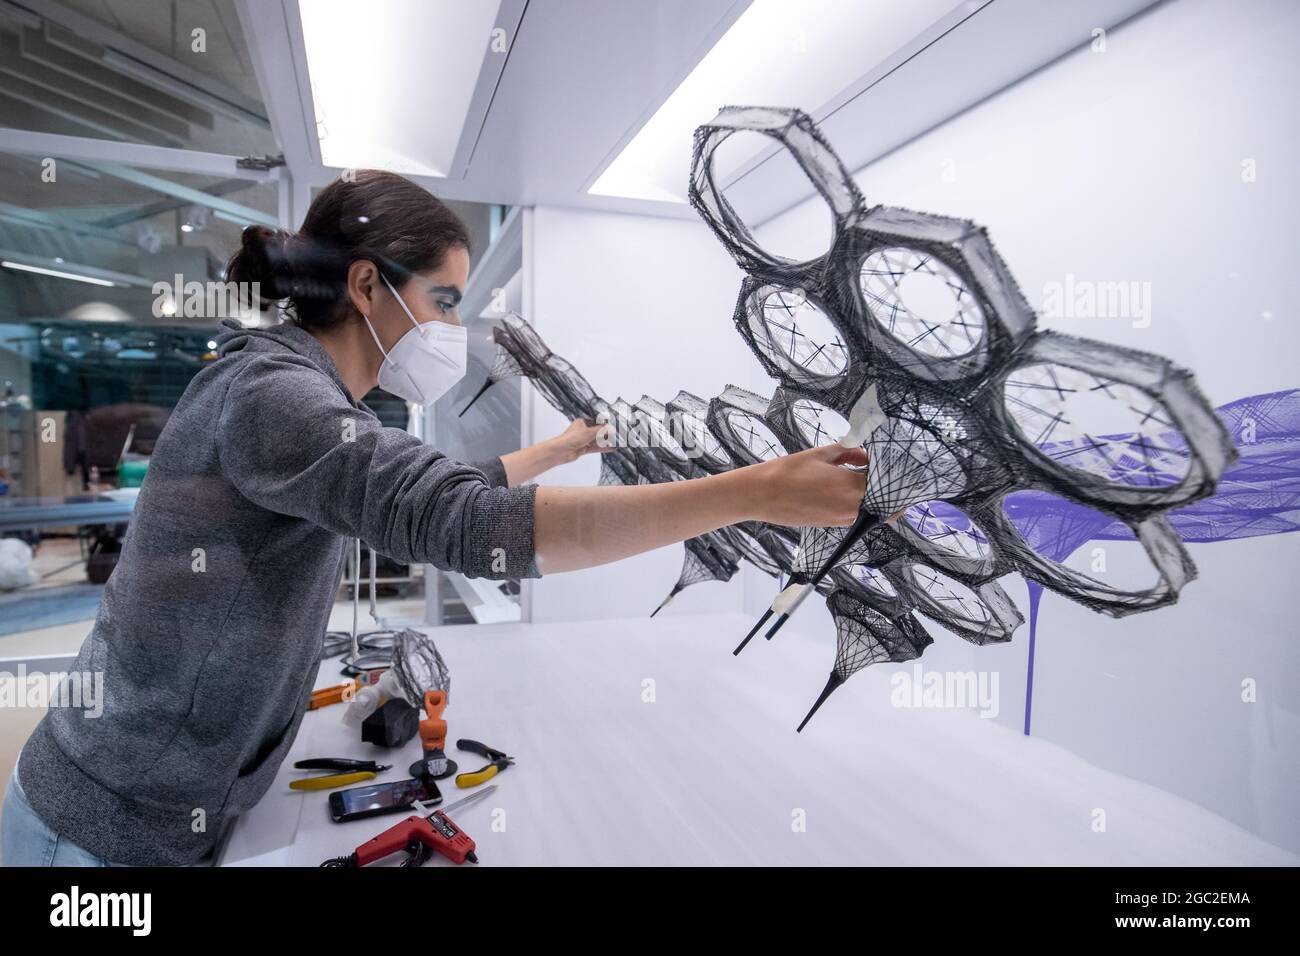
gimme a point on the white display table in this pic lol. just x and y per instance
(702, 766)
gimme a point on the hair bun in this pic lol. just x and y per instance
(287, 265)
(262, 258)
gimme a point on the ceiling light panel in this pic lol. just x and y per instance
(393, 87)
(776, 53)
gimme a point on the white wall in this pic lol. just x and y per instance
(639, 305)
(1127, 166)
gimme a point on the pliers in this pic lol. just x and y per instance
(499, 762)
(347, 771)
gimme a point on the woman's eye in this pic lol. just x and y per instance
(446, 307)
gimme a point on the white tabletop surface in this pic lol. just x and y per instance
(702, 765)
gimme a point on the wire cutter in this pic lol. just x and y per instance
(499, 762)
(346, 771)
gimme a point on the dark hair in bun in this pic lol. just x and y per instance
(370, 214)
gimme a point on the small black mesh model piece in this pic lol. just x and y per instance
(418, 667)
(520, 351)
(908, 337)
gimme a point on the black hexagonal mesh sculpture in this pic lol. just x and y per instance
(908, 336)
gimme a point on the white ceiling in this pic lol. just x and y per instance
(581, 77)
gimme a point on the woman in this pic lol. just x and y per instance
(209, 631)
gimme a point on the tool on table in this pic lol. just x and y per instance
(345, 771)
(420, 837)
(498, 762)
(332, 695)
(435, 764)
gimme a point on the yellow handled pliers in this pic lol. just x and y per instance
(347, 771)
(499, 762)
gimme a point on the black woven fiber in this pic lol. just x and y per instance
(970, 403)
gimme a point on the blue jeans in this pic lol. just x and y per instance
(26, 839)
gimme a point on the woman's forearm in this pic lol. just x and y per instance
(583, 527)
(527, 463)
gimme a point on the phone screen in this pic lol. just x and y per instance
(374, 799)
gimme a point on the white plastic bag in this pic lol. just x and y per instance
(16, 569)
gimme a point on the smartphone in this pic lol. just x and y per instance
(374, 799)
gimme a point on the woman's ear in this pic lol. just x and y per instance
(363, 282)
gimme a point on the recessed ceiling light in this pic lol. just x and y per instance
(23, 267)
(777, 53)
(377, 105)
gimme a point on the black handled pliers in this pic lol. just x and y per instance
(346, 771)
(498, 761)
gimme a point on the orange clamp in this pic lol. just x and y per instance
(433, 729)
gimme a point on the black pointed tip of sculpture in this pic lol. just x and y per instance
(777, 625)
(752, 631)
(832, 682)
(795, 578)
(866, 521)
(671, 594)
(477, 395)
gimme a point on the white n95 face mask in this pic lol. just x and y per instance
(427, 361)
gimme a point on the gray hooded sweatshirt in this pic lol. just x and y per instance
(209, 631)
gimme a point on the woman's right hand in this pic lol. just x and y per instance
(808, 488)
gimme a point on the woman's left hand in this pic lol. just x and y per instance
(571, 444)
(580, 439)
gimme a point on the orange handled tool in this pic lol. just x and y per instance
(332, 695)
